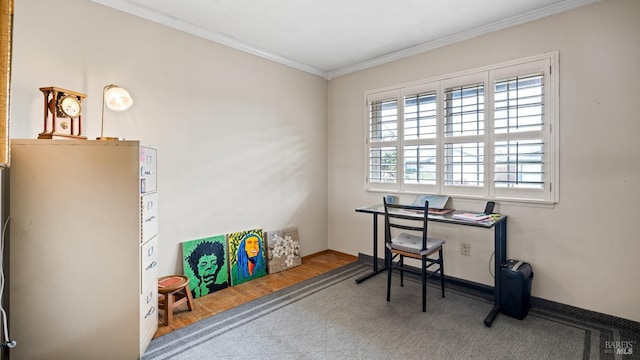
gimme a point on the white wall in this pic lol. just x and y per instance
(241, 140)
(584, 251)
(247, 143)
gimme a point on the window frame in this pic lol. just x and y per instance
(547, 64)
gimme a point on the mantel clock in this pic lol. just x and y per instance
(62, 114)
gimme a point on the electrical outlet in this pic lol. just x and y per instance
(465, 249)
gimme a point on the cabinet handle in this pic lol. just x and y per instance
(144, 171)
(152, 265)
(151, 311)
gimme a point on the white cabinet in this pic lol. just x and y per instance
(84, 249)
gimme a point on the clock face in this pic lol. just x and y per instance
(70, 106)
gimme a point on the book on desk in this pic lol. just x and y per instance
(472, 216)
(433, 211)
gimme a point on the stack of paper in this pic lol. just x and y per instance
(471, 217)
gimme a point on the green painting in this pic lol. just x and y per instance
(205, 264)
(246, 256)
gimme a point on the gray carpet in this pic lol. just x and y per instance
(332, 317)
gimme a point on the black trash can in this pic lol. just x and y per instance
(515, 295)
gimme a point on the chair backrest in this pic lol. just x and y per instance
(406, 217)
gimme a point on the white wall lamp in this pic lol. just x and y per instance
(116, 99)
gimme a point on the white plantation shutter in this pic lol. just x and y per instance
(519, 114)
(383, 167)
(382, 141)
(464, 110)
(519, 163)
(420, 121)
(384, 121)
(464, 164)
(487, 133)
(420, 130)
(464, 135)
(524, 154)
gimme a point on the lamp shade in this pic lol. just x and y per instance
(117, 98)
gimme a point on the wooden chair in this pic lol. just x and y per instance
(173, 291)
(415, 245)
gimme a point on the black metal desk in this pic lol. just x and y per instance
(500, 244)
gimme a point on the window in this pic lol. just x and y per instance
(383, 130)
(485, 133)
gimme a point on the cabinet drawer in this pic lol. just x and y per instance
(147, 170)
(149, 292)
(149, 253)
(148, 312)
(149, 214)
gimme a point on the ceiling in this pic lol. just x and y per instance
(330, 38)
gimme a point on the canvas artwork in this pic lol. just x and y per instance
(246, 256)
(283, 249)
(205, 264)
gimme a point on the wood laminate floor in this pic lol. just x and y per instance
(228, 298)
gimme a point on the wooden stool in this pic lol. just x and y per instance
(174, 291)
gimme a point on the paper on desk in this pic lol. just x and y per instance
(472, 217)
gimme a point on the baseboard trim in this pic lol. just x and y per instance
(329, 251)
(538, 304)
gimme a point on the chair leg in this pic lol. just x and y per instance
(441, 270)
(424, 284)
(401, 271)
(389, 270)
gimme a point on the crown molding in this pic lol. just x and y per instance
(130, 7)
(144, 12)
(462, 36)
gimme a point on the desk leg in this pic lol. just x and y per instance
(500, 245)
(375, 254)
